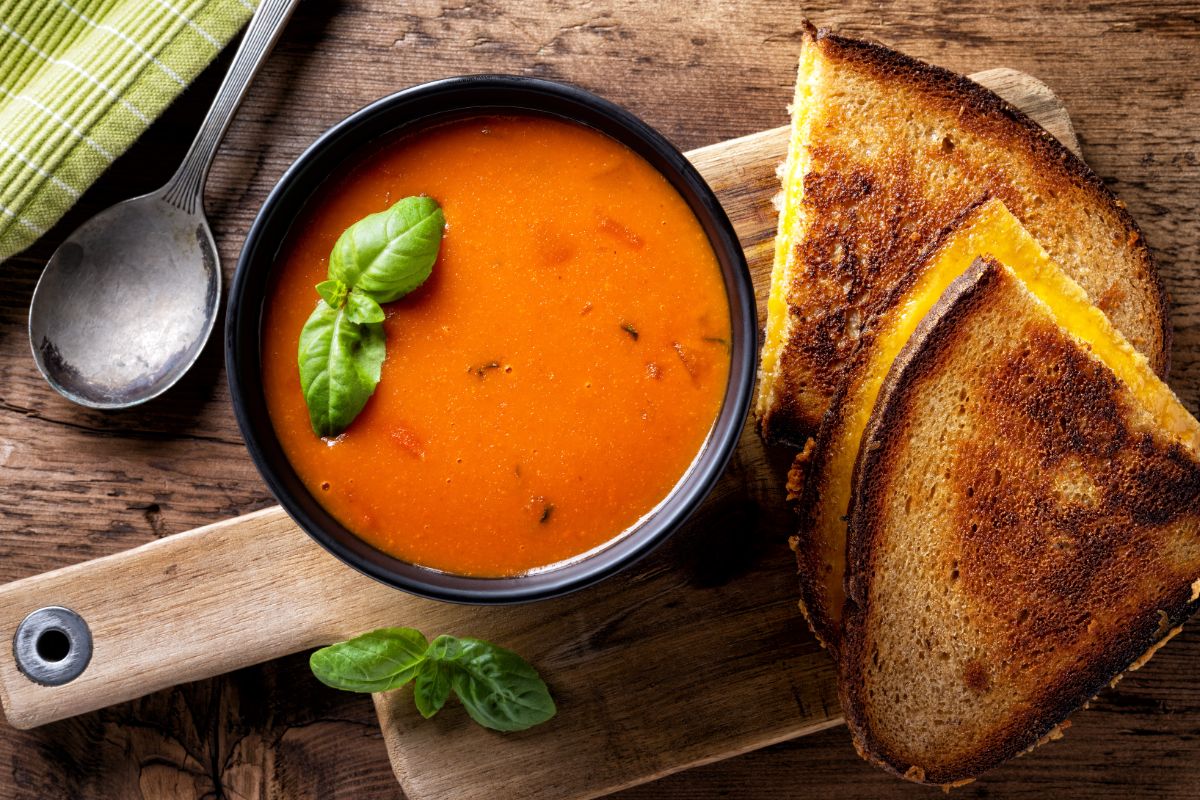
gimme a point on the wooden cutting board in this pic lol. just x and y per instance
(697, 653)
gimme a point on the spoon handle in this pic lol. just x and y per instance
(185, 190)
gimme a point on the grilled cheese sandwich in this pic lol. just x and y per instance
(1024, 526)
(885, 151)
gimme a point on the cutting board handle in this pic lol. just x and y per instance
(180, 609)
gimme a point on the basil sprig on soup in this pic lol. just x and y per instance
(378, 259)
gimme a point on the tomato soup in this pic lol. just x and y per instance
(552, 380)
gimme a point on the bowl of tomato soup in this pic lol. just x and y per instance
(560, 393)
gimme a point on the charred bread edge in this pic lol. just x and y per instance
(814, 604)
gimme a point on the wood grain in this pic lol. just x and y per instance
(79, 484)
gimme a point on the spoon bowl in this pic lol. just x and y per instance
(126, 303)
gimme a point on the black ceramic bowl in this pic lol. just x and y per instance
(410, 109)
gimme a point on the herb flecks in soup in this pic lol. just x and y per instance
(550, 382)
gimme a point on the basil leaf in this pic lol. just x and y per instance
(374, 662)
(360, 308)
(431, 688)
(444, 648)
(388, 254)
(339, 367)
(498, 688)
(333, 292)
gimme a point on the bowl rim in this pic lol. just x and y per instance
(413, 108)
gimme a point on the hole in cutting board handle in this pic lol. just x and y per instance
(52, 646)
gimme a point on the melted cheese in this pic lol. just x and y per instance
(1069, 306)
(991, 230)
(794, 170)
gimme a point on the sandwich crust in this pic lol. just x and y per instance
(1021, 532)
(899, 148)
(811, 482)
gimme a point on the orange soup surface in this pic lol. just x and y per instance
(553, 379)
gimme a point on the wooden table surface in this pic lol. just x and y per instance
(78, 484)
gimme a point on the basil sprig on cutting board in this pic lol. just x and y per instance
(378, 259)
(497, 687)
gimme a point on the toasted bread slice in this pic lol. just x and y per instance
(987, 228)
(885, 151)
(1025, 524)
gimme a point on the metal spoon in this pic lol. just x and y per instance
(127, 302)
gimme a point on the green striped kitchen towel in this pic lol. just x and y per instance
(79, 82)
